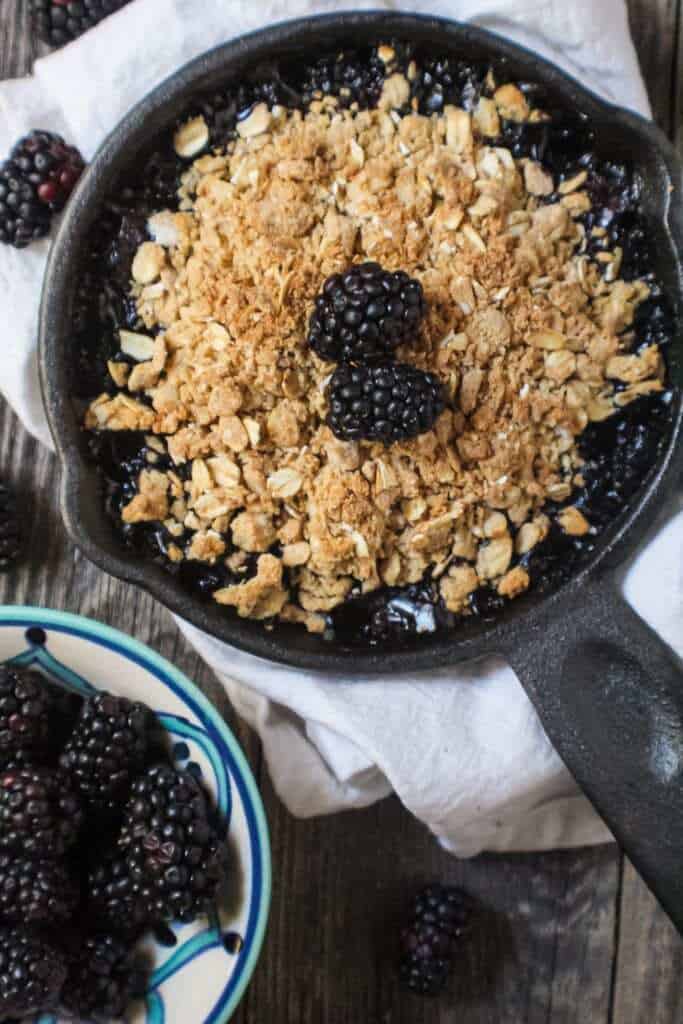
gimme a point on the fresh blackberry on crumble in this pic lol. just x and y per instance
(35, 183)
(104, 976)
(106, 749)
(60, 21)
(387, 402)
(11, 535)
(40, 816)
(440, 916)
(35, 892)
(32, 972)
(169, 843)
(26, 705)
(365, 314)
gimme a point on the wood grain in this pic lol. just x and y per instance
(563, 937)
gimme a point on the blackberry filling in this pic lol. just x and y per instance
(618, 451)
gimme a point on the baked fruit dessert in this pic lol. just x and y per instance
(102, 840)
(372, 346)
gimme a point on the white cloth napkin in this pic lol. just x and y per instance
(462, 747)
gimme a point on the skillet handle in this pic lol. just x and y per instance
(610, 695)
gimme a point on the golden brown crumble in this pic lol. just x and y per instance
(527, 334)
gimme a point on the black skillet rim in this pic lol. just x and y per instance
(286, 644)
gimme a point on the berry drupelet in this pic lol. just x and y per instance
(169, 843)
(440, 916)
(35, 892)
(40, 817)
(60, 21)
(32, 972)
(386, 402)
(106, 749)
(11, 537)
(26, 706)
(365, 314)
(104, 976)
(35, 183)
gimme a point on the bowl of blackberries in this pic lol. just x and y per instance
(134, 870)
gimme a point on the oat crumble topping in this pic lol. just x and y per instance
(529, 336)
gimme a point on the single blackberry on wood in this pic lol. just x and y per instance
(11, 534)
(26, 704)
(106, 749)
(35, 892)
(365, 314)
(35, 183)
(104, 977)
(40, 816)
(60, 21)
(440, 916)
(387, 402)
(32, 972)
(169, 843)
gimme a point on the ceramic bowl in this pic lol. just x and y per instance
(200, 978)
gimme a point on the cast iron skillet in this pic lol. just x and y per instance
(609, 692)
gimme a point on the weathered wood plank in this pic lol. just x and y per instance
(650, 959)
(16, 43)
(677, 82)
(543, 951)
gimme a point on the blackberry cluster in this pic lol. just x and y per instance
(35, 183)
(387, 402)
(57, 22)
(103, 978)
(169, 862)
(11, 539)
(32, 972)
(365, 314)
(107, 748)
(26, 705)
(95, 848)
(440, 917)
(35, 892)
(40, 816)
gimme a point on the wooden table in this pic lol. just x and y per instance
(568, 937)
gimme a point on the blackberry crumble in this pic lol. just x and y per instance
(211, 415)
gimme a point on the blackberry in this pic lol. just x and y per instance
(35, 892)
(119, 899)
(106, 749)
(365, 314)
(387, 402)
(32, 972)
(170, 845)
(60, 21)
(40, 816)
(11, 538)
(26, 704)
(440, 916)
(35, 183)
(103, 979)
